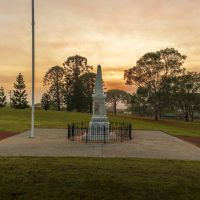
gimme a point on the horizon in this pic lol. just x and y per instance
(112, 34)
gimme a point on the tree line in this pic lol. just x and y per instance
(70, 86)
(162, 84)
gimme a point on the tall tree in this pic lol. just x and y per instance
(88, 85)
(46, 101)
(19, 97)
(2, 97)
(75, 67)
(138, 102)
(114, 97)
(54, 79)
(186, 93)
(149, 72)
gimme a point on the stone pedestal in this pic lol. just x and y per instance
(98, 131)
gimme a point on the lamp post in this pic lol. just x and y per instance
(33, 70)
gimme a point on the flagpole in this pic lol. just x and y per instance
(33, 70)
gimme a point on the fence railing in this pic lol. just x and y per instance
(116, 132)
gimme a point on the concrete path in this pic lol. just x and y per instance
(145, 144)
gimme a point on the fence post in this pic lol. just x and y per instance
(73, 131)
(68, 131)
(121, 135)
(130, 131)
(86, 137)
(104, 133)
(82, 128)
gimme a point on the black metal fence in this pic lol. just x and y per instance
(116, 132)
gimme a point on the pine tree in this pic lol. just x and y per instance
(46, 101)
(75, 67)
(19, 98)
(2, 98)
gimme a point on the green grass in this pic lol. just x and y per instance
(173, 127)
(12, 120)
(95, 178)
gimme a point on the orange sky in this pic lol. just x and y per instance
(113, 33)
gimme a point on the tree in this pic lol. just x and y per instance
(114, 97)
(138, 102)
(172, 61)
(75, 67)
(186, 93)
(19, 97)
(46, 101)
(2, 98)
(54, 79)
(88, 85)
(150, 71)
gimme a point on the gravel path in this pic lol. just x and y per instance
(145, 144)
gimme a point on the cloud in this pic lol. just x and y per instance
(113, 33)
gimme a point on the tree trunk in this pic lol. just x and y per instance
(191, 112)
(160, 113)
(57, 94)
(156, 114)
(192, 116)
(186, 117)
(58, 100)
(59, 106)
(115, 108)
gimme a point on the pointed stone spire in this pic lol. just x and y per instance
(99, 124)
(99, 82)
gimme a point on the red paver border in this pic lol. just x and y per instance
(191, 139)
(4, 135)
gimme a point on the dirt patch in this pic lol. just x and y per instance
(4, 135)
(190, 139)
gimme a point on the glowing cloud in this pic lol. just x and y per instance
(113, 33)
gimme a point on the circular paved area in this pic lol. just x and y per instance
(145, 144)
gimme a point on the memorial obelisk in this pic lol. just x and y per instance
(99, 125)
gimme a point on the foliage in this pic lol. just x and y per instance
(151, 70)
(115, 96)
(2, 98)
(54, 78)
(19, 97)
(88, 85)
(75, 67)
(185, 92)
(46, 101)
(172, 61)
(138, 102)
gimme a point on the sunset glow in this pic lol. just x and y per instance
(112, 33)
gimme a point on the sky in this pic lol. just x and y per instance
(113, 33)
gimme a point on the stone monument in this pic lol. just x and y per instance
(99, 125)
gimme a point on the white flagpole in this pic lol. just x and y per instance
(33, 70)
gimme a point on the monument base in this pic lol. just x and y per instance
(98, 131)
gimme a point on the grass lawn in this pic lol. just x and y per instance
(95, 178)
(12, 120)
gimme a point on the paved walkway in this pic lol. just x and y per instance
(145, 144)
